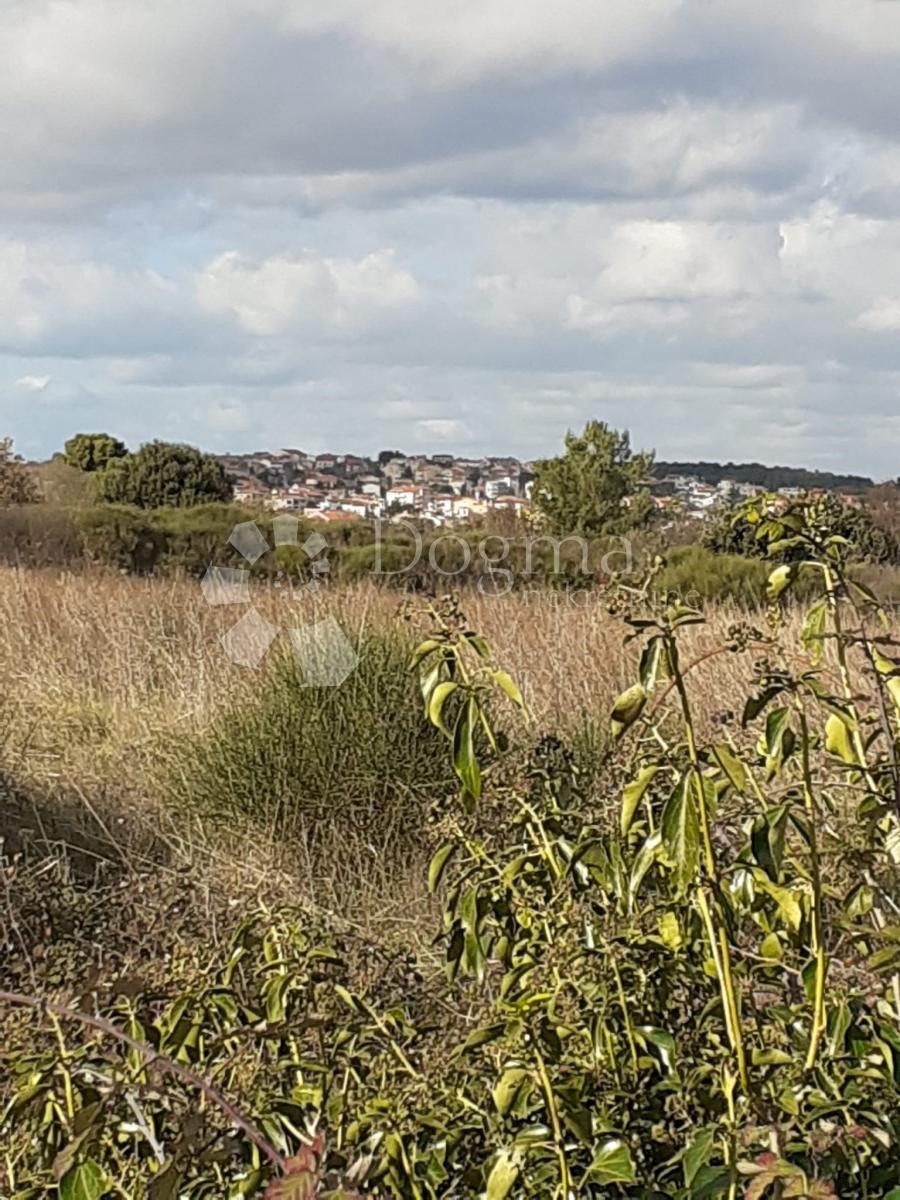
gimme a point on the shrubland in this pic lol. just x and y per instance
(573, 893)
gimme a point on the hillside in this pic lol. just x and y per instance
(763, 476)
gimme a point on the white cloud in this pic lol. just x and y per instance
(463, 39)
(56, 301)
(882, 317)
(288, 294)
(442, 428)
(33, 383)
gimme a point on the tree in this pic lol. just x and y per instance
(17, 484)
(164, 475)
(596, 486)
(869, 540)
(93, 451)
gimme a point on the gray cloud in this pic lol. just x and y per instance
(378, 220)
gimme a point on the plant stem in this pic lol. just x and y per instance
(64, 1064)
(715, 928)
(626, 1015)
(565, 1179)
(817, 932)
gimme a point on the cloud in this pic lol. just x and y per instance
(478, 223)
(882, 317)
(33, 383)
(291, 293)
(56, 301)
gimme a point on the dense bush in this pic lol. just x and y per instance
(17, 482)
(163, 474)
(188, 540)
(323, 763)
(89, 452)
(730, 533)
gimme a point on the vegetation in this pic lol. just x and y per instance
(390, 770)
(17, 484)
(676, 977)
(163, 474)
(770, 478)
(867, 538)
(596, 487)
(93, 451)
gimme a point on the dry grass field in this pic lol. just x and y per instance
(103, 674)
(106, 679)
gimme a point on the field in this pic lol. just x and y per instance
(107, 679)
(160, 801)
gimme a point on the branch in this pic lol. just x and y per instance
(153, 1057)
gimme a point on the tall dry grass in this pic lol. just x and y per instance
(98, 671)
(103, 678)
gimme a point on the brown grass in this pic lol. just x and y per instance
(102, 675)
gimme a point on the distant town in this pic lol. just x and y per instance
(442, 488)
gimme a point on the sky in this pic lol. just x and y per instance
(454, 225)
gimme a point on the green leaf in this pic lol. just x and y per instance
(659, 1043)
(771, 948)
(481, 1037)
(767, 840)
(84, 1182)
(697, 1154)
(780, 579)
(648, 854)
(634, 793)
(788, 905)
(654, 663)
(478, 644)
(503, 1175)
(422, 651)
(612, 1163)
(509, 1088)
(437, 865)
(64, 1160)
(756, 704)
(771, 1058)
(837, 740)
(464, 761)
(165, 1184)
(681, 833)
(681, 614)
(436, 703)
(777, 724)
(628, 707)
(670, 931)
(732, 767)
(507, 684)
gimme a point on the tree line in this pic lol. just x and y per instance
(770, 478)
(597, 487)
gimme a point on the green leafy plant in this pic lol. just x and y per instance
(680, 981)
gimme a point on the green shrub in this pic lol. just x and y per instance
(116, 535)
(730, 533)
(322, 762)
(693, 572)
